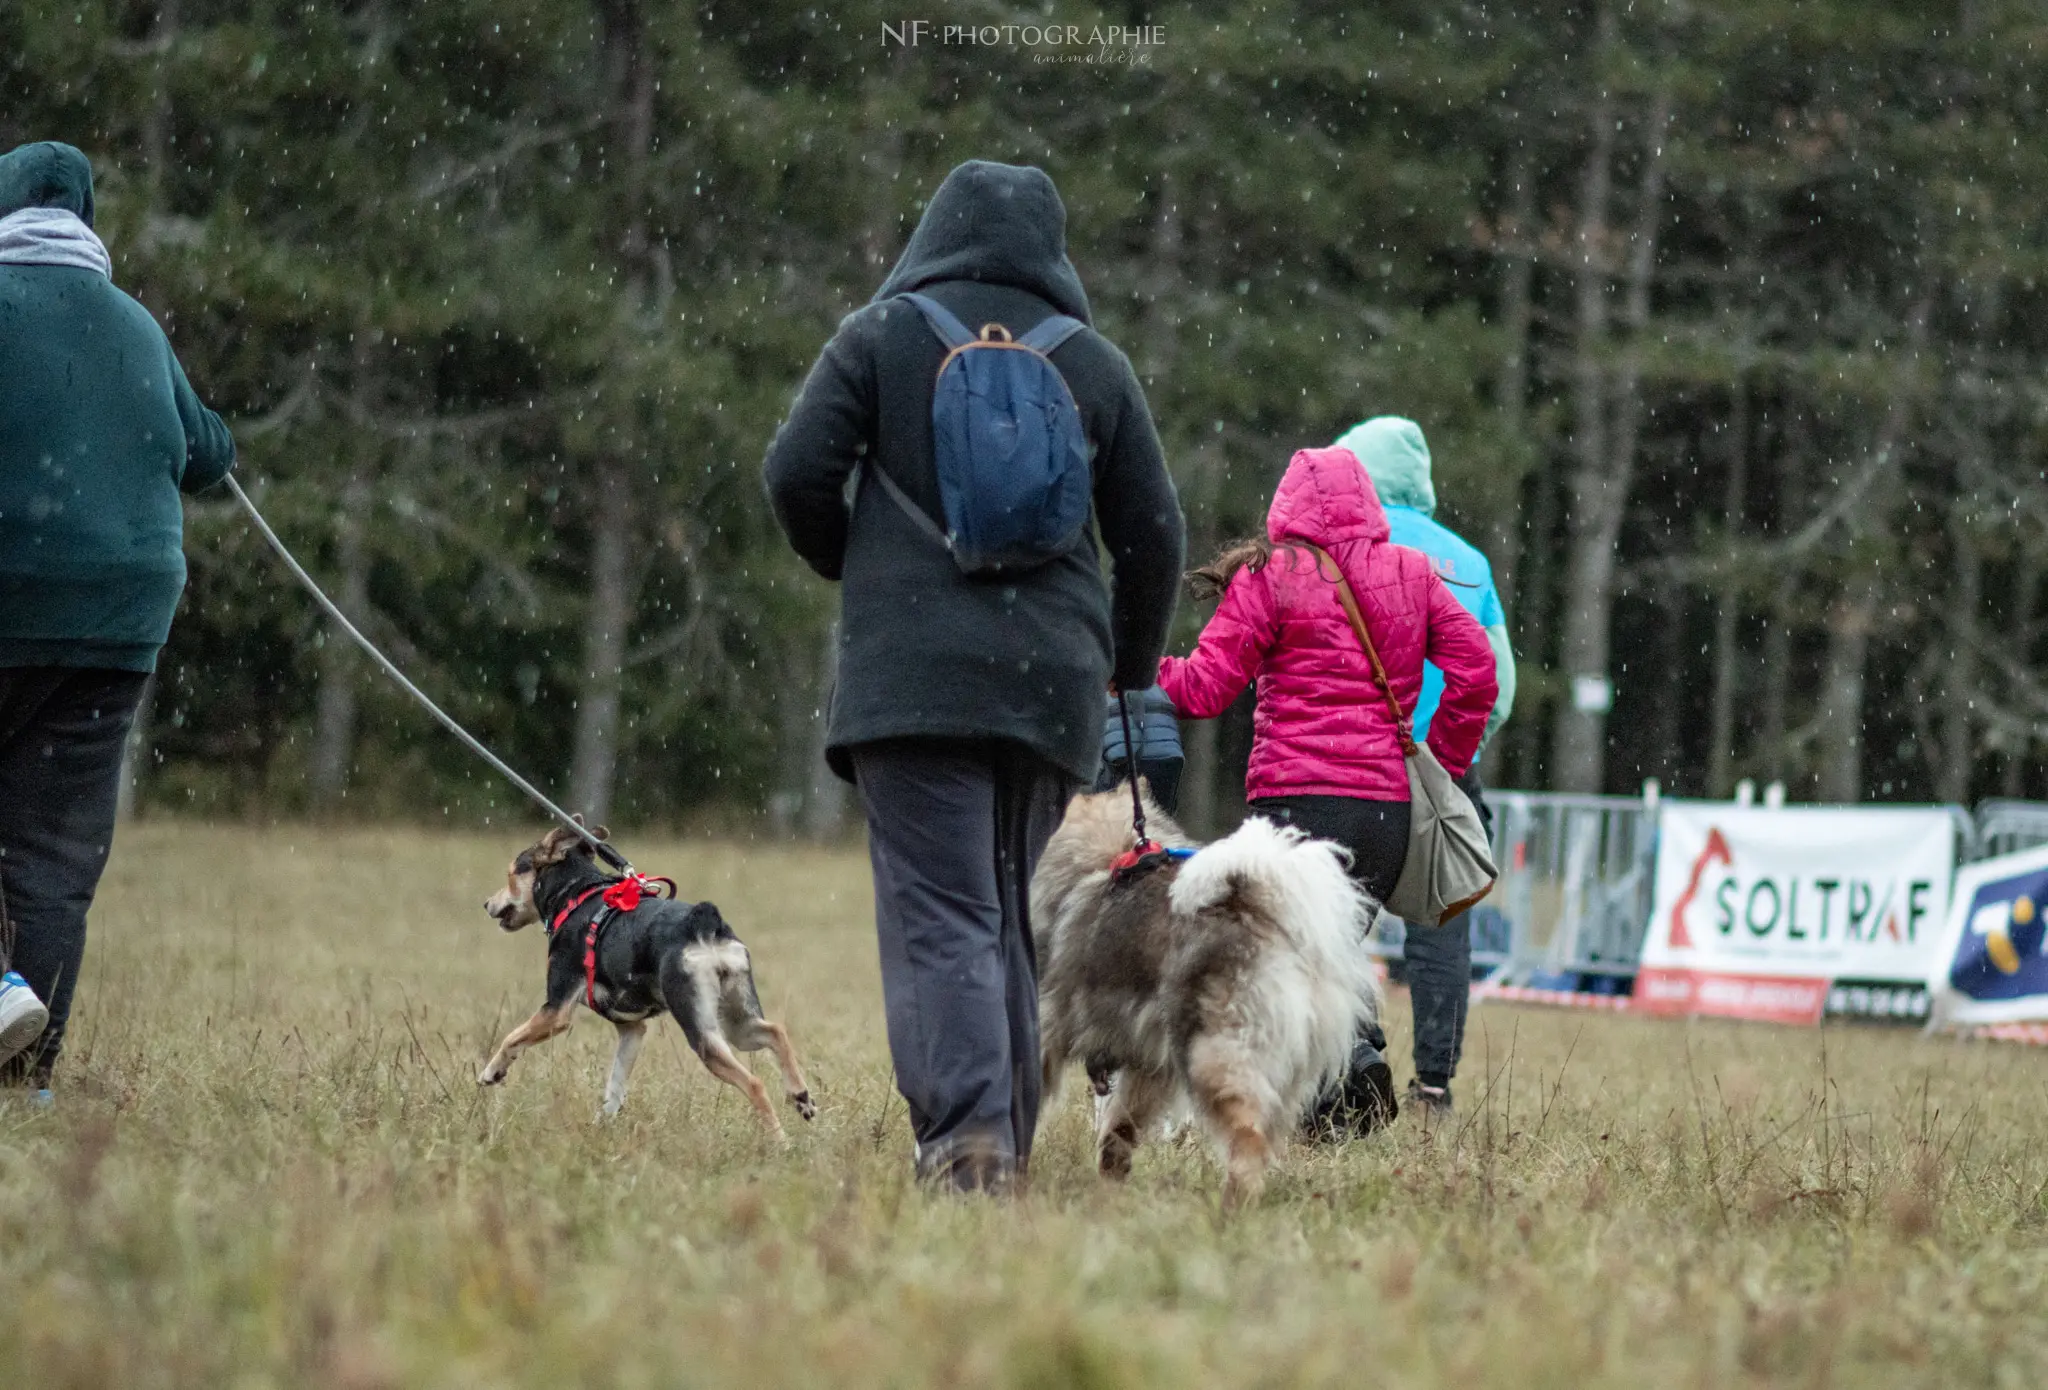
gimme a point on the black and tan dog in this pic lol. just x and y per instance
(659, 956)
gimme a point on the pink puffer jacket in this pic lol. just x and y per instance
(1322, 727)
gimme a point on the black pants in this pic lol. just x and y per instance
(1376, 832)
(954, 831)
(61, 734)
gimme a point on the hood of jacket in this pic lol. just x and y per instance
(1325, 498)
(46, 174)
(1393, 451)
(1000, 224)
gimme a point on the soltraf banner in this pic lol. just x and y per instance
(1791, 913)
(1993, 966)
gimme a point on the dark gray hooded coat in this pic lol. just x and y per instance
(925, 651)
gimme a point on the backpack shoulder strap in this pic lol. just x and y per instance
(1327, 564)
(1048, 335)
(950, 330)
(910, 508)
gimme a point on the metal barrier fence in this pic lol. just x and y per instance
(2004, 827)
(1574, 890)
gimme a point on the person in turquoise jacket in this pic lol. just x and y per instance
(1438, 961)
(99, 433)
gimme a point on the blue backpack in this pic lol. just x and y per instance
(1007, 440)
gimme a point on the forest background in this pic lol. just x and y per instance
(1725, 321)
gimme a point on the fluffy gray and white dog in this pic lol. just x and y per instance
(1231, 982)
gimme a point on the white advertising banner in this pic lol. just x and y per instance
(1785, 914)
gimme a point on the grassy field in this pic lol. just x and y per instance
(270, 1165)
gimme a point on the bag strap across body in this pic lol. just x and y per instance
(1328, 563)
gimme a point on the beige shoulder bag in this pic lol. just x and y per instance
(1450, 864)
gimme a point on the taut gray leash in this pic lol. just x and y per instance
(533, 793)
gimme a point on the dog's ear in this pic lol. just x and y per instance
(555, 846)
(597, 832)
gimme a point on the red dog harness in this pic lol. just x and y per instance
(620, 895)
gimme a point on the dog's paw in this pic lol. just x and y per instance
(491, 1075)
(805, 1106)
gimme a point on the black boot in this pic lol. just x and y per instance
(1363, 1101)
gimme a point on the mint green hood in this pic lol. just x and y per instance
(1396, 458)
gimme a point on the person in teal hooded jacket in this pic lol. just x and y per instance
(99, 432)
(1438, 961)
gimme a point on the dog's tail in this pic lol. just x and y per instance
(1301, 889)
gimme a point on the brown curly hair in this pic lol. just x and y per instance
(1253, 553)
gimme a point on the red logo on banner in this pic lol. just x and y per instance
(1716, 852)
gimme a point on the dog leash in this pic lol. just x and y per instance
(1147, 854)
(534, 794)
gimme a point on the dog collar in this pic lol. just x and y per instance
(1142, 858)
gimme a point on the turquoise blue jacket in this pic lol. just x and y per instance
(1396, 457)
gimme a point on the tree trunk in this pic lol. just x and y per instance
(1576, 762)
(607, 617)
(1517, 299)
(1667, 761)
(629, 76)
(1727, 605)
(1165, 282)
(334, 711)
(1850, 621)
(2026, 590)
(609, 491)
(1962, 687)
(1853, 616)
(1777, 646)
(1777, 659)
(156, 124)
(1604, 446)
(825, 803)
(1959, 690)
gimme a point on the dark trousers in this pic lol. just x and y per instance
(1439, 968)
(1376, 832)
(61, 734)
(955, 829)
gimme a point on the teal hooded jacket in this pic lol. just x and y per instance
(1396, 457)
(99, 431)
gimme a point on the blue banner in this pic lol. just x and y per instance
(1998, 954)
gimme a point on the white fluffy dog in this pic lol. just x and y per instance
(1233, 981)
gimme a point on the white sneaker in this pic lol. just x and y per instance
(22, 1016)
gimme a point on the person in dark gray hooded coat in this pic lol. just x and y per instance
(968, 709)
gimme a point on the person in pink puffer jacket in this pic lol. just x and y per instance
(1326, 754)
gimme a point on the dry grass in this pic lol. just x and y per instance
(271, 1166)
